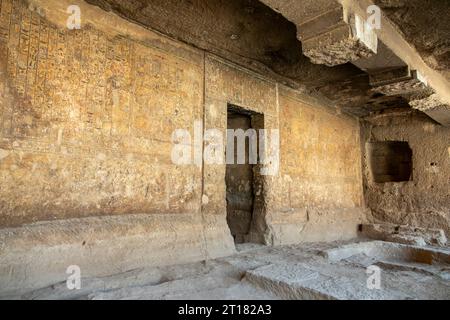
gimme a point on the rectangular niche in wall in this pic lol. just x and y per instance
(390, 161)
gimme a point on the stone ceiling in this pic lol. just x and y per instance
(264, 37)
(425, 24)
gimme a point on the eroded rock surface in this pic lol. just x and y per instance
(313, 271)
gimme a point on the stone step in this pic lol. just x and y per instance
(293, 282)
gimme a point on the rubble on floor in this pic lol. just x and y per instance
(404, 234)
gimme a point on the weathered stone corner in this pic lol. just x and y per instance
(336, 38)
(398, 81)
(432, 104)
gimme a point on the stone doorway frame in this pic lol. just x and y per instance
(257, 224)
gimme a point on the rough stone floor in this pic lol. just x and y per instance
(310, 271)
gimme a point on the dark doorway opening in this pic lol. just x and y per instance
(242, 177)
